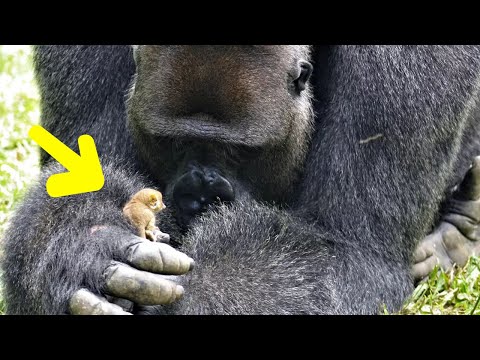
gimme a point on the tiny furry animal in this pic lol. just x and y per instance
(141, 210)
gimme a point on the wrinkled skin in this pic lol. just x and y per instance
(138, 281)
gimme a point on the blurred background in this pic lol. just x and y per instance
(18, 112)
(455, 292)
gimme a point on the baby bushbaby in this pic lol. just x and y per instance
(141, 210)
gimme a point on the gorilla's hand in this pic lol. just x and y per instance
(136, 280)
(458, 235)
(84, 254)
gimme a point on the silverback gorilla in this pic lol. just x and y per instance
(287, 191)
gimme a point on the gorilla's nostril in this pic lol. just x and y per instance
(195, 206)
(223, 190)
(195, 178)
(196, 191)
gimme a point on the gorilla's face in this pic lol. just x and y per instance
(214, 123)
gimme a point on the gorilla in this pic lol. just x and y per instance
(290, 189)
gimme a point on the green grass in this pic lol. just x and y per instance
(18, 112)
(456, 292)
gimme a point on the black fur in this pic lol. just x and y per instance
(71, 257)
(394, 126)
(82, 91)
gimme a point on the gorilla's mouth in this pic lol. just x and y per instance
(198, 190)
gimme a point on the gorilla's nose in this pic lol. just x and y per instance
(196, 190)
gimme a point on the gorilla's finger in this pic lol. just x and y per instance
(470, 209)
(159, 258)
(458, 247)
(469, 189)
(141, 287)
(433, 246)
(125, 304)
(422, 252)
(422, 269)
(83, 302)
(467, 226)
(459, 254)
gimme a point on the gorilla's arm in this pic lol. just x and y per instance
(391, 120)
(255, 259)
(55, 247)
(82, 90)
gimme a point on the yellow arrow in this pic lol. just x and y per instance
(85, 171)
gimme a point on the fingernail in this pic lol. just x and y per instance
(179, 290)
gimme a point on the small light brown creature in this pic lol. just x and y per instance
(141, 210)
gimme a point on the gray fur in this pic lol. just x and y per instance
(77, 98)
(345, 245)
(50, 251)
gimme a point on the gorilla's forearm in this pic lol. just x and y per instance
(254, 259)
(384, 153)
(49, 248)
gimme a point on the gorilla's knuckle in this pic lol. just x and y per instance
(111, 270)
